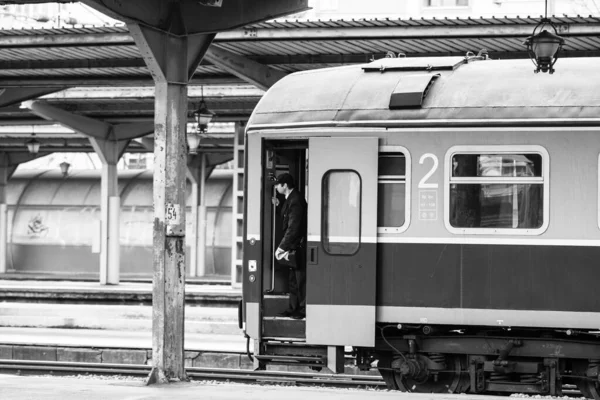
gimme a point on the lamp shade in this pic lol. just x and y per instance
(203, 115)
(64, 168)
(193, 140)
(543, 48)
(33, 146)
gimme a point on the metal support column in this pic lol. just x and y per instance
(4, 171)
(109, 152)
(194, 201)
(172, 60)
(109, 236)
(197, 173)
(201, 224)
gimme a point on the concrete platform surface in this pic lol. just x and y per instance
(125, 287)
(115, 339)
(123, 293)
(198, 319)
(55, 388)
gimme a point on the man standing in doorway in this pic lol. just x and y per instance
(294, 238)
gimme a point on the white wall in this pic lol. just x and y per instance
(347, 9)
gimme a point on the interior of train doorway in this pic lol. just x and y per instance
(339, 178)
(280, 156)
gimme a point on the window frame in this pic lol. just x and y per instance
(324, 210)
(407, 191)
(497, 149)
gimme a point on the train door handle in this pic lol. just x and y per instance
(313, 254)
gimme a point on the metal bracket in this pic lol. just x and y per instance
(477, 375)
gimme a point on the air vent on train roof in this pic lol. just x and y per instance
(410, 91)
(415, 64)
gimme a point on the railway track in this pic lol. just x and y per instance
(216, 374)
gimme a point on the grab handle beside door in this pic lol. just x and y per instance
(312, 255)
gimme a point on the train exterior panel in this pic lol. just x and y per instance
(453, 222)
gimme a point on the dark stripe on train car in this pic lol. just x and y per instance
(486, 276)
(342, 280)
(418, 275)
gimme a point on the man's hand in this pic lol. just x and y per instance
(280, 253)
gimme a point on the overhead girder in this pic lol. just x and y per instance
(189, 17)
(60, 81)
(247, 67)
(255, 73)
(311, 34)
(13, 95)
(91, 127)
(159, 49)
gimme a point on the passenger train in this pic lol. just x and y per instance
(453, 223)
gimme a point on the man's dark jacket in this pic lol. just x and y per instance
(294, 221)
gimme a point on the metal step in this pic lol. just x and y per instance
(284, 327)
(274, 304)
(308, 361)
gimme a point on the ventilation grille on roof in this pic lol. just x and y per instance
(411, 90)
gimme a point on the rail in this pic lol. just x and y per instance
(193, 373)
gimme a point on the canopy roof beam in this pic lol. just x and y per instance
(252, 72)
(91, 127)
(306, 34)
(14, 95)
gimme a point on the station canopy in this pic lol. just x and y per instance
(99, 71)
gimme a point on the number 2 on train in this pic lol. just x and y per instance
(423, 182)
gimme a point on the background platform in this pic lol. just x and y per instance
(86, 292)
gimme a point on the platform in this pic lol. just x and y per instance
(65, 388)
(125, 293)
(118, 347)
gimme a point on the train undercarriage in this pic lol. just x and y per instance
(437, 359)
(433, 359)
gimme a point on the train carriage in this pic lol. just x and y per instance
(453, 223)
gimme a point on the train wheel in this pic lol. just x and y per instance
(384, 365)
(584, 388)
(453, 379)
(589, 389)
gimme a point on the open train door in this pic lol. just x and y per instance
(342, 240)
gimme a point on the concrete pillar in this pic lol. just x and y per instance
(172, 60)
(198, 174)
(109, 152)
(109, 231)
(194, 201)
(3, 213)
(202, 217)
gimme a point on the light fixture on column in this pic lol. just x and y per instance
(543, 46)
(33, 145)
(203, 115)
(64, 168)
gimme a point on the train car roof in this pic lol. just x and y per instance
(434, 91)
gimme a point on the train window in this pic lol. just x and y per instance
(496, 191)
(341, 212)
(392, 198)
